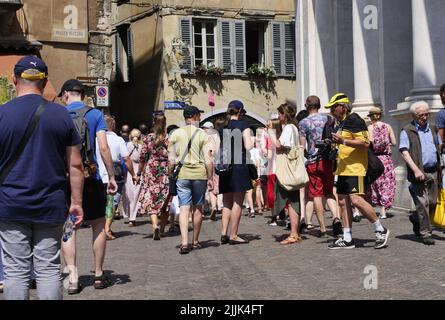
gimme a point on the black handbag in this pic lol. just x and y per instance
(119, 174)
(253, 173)
(375, 167)
(172, 188)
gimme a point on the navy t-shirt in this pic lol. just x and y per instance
(35, 190)
(96, 123)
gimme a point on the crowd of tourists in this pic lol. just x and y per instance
(61, 164)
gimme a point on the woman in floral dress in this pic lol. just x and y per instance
(382, 191)
(154, 168)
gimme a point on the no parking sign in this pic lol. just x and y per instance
(102, 96)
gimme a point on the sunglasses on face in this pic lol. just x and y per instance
(420, 115)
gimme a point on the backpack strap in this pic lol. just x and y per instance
(23, 142)
(81, 113)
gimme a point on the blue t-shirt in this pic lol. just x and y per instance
(35, 190)
(96, 122)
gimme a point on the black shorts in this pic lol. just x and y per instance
(94, 200)
(347, 185)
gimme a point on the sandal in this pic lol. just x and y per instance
(197, 245)
(310, 226)
(184, 249)
(102, 282)
(291, 240)
(132, 223)
(110, 236)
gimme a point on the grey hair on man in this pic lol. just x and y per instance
(419, 104)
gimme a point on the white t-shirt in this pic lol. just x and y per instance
(256, 155)
(118, 150)
(289, 136)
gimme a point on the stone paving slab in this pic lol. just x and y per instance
(263, 269)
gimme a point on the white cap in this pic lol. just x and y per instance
(208, 125)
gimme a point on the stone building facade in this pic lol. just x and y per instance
(174, 41)
(386, 53)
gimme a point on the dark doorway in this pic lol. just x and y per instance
(255, 43)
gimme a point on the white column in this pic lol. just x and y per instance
(367, 54)
(428, 51)
(315, 49)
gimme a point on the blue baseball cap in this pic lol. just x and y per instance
(25, 65)
(237, 105)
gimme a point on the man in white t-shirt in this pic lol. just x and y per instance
(119, 152)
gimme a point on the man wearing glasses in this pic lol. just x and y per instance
(419, 147)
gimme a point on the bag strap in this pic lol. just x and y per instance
(188, 147)
(181, 162)
(23, 142)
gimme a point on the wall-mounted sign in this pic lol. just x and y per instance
(93, 81)
(65, 20)
(174, 105)
(102, 96)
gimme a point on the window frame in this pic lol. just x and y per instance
(204, 46)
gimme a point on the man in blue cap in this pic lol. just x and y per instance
(39, 145)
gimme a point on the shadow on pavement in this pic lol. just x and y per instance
(116, 279)
(250, 237)
(120, 234)
(411, 237)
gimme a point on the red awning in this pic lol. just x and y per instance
(7, 63)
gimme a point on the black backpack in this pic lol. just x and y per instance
(86, 149)
(223, 166)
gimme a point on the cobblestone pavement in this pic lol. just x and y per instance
(263, 269)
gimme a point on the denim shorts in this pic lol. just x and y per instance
(191, 192)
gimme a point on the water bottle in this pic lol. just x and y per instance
(68, 227)
(109, 209)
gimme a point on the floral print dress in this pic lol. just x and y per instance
(154, 189)
(382, 191)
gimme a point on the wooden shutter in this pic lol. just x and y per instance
(240, 46)
(283, 48)
(129, 54)
(289, 49)
(277, 47)
(185, 27)
(225, 44)
(118, 56)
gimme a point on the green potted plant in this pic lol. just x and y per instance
(257, 71)
(200, 70)
(215, 71)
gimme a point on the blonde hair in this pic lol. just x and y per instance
(135, 133)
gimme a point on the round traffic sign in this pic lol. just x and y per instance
(102, 92)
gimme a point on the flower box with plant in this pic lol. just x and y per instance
(256, 71)
(203, 70)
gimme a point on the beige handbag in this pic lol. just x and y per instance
(291, 172)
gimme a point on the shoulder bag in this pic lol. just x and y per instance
(172, 188)
(291, 172)
(23, 142)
